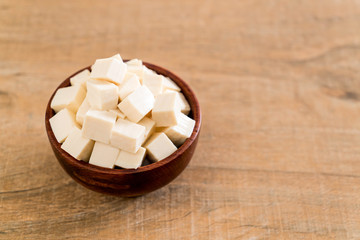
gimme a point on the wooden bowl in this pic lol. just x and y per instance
(130, 182)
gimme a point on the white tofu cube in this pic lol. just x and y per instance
(62, 124)
(180, 132)
(170, 84)
(153, 81)
(78, 146)
(118, 113)
(104, 155)
(68, 97)
(131, 160)
(127, 135)
(109, 69)
(137, 104)
(97, 125)
(138, 70)
(80, 114)
(118, 57)
(159, 146)
(149, 125)
(80, 78)
(165, 109)
(184, 104)
(130, 84)
(102, 95)
(134, 62)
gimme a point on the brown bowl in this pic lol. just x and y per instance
(130, 182)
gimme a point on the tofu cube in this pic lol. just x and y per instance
(149, 125)
(104, 155)
(62, 124)
(68, 97)
(80, 114)
(127, 136)
(102, 95)
(153, 81)
(118, 57)
(159, 146)
(180, 132)
(80, 78)
(137, 104)
(118, 113)
(184, 105)
(78, 146)
(170, 84)
(131, 160)
(138, 70)
(165, 109)
(134, 62)
(130, 84)
(109, 69)
(97, 125)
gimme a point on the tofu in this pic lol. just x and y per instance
(184, 104)
(153, 81)
(160, 129)
(80, 114)
(180, 132)
(104, 155)
(102, 95)
(78, 146)
(138, 70)
(171, 85)
(130, 84)
(127, 136)
(159, 146)
(130, 160)
(118, 113)
(149, 125)
(98, 125)
(134, 62)
(68, 97)
(165, 109)
(109, 69)
(62, 124)
(118, 57)
(137, 104)
(80, 78)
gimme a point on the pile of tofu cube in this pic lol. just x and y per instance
(119, 114)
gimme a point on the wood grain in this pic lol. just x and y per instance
(278, 83)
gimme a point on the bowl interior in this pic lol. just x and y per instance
(195, 114)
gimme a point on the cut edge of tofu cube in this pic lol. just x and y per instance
(182, 131)
(137, 104)
(77, 146)
(68, 97)
(102, 95)
(166, 107)
(109, 69)
(80, 78)
(103, 155)
(62, 124)
(127, 135)
(98, 125)
(129, 160)
(159, 147)
(170, 84)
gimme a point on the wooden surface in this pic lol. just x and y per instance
(279, 86)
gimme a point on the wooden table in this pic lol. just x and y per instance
(279, 85)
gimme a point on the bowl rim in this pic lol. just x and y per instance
(185, 89)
